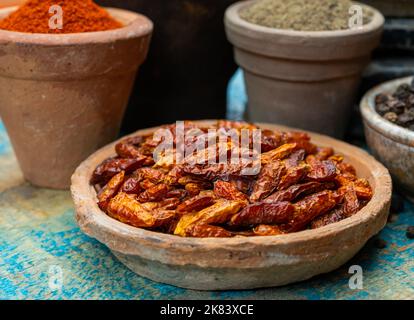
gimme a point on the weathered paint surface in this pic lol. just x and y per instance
(39, 241)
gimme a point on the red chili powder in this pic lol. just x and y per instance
(78, 16)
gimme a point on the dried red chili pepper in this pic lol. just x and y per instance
(229, 191)
(110, 167)
(267, 230)
(335, 215)
(302, 141)
(110, 190)
(324, 153)
(263, 213)
(177, 193)
(170, 203)
(297, 190)
(268, 180)
(218, 213)
(350, 206)
(127, 209)
(196, 203)
(361, 186)
(154, 194)
(310, 208)
(207, 231)
(295, 159)
(193, 189)
(127, 150)
(132, 186)
(321, 171)
(270, 140)
(279, 153)
(293, 176)
(346, 168)
(154, 175)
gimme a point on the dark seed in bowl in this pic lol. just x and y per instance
(410, 232)
(398, 107)
(380, 243)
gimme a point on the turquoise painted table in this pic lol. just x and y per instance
(44, 255)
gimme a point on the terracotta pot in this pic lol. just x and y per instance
(64, 96)
(236, 263)
(391, 144)
(191, 62)
(307, 80)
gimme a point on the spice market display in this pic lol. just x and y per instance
(206, 150)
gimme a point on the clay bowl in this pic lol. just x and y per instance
(236, 263)
(391, 144)
(63, 96)
(303, 79)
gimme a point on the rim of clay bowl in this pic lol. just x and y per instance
(99, 225)
(135, 25)
(232, 14)
(378, 123)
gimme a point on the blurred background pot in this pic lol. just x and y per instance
(391, 144)
(64, 96)
(303, 79)
(189, 66)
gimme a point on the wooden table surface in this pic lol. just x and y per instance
(44, 255)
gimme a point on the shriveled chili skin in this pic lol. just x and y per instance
(177, 193)
(229, 191)
(335, 215)
(361, 186)
(295, 191)
(268, 180)
(155, 193)
(263, 213)
(270, 140)
(218, 213)
(279, 153)
(207, 231)
(196, 203)
(324, 153)
(321, 171)
(310, 208)
(127, 150)
(79, 16)
(350, 205)
(132, 185)
(127, 209)
(110, 167)
(169, 203)
(302, 141)
(293, 175)
(110, 190)
(267, 230)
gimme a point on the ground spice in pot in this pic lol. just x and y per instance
(78, 16)
(301, 15)
(398, 107)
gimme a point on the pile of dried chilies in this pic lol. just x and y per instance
(299, 186)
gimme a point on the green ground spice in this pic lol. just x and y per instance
(301, 15)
